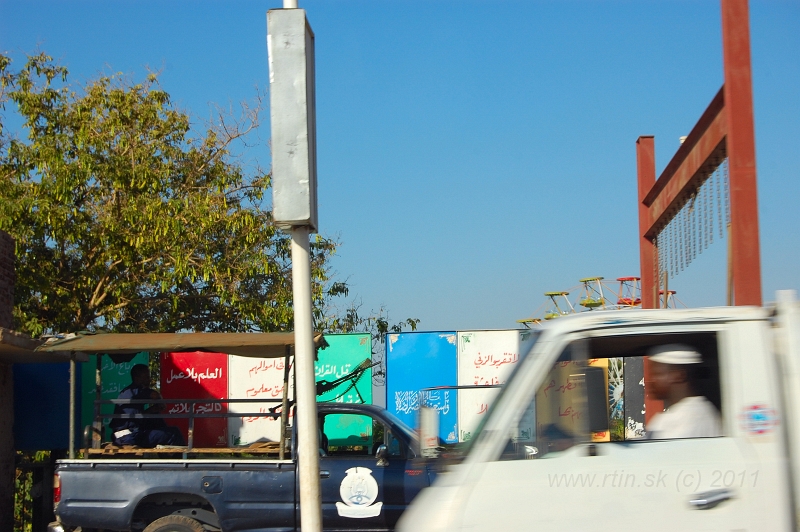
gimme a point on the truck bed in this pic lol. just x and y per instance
(121, 491)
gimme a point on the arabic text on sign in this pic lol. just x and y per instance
(495, 360)
(192, 374)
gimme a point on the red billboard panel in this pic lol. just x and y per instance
(197, 375)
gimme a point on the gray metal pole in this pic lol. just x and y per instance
(306, 419)
(72, 378)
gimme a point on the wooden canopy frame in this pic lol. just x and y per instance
(725, 129)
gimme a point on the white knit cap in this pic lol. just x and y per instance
(674, 354)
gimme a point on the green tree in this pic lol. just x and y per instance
(127, 218)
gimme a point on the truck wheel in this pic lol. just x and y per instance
(175, 523)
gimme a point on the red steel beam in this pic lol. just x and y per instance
(726, 129)
(646, 173)
(741, 153)
(689, 167)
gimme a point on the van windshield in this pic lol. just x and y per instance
(475, 403)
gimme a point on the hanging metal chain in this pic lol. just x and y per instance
(682, 246)
(727, 188)
(701, 219)
(693, 226)
(720, 208)
(674, 237)
(709, 188)
(656, 258)
(690, 229)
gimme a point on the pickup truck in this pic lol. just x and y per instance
(364, 486)
(542, 460)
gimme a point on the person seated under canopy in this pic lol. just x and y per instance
(143, 432)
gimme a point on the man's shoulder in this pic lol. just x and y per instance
(699, 403)
(132, 392)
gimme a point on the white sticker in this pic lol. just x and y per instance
(358, 491)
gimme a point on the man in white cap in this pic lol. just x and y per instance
(673, 377)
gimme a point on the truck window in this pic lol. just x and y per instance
(556, 417)
(358, 434)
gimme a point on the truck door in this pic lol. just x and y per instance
(359, 490)
(560, 478)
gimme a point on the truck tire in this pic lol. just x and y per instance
(175, 523)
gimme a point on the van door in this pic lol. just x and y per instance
(560, 479)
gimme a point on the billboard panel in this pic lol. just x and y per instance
(422, 360)
(634, 398)
(115, 378)
(485, 358)
(257, 378)
(197, 375)
(41, 407)
(342, 356)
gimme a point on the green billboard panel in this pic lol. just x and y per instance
(337, 369)
(115, 378)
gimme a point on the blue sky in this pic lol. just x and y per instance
(472, 155)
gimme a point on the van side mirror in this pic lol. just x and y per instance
(382, 454)
(597, 399)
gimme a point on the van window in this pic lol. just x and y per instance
(566, 406)
(553, 420)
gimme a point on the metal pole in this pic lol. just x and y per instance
(97, 422)
(306, 419)
(72, 406)
(646, 177)
(289, 4)
(284, 404)
(741, 147)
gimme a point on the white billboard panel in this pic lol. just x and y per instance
(256, 378)
(485, 358)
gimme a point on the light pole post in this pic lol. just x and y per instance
(290, 44)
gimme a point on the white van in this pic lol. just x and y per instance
(539, 462)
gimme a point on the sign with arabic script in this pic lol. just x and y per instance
(422, 360)
(257, 378)
(197, 375)
(114, 378)
(335, 363)
(485, 358)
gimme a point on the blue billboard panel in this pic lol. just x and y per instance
(417, 360)
(41, 406)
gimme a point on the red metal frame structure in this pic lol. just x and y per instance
(725, 129)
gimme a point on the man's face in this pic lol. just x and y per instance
(662, 379)
(141, 378)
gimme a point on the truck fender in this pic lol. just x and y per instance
(155, 505)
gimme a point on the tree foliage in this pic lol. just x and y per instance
(127, 218)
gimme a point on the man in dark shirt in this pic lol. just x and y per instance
(139, 431)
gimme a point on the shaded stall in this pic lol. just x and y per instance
(27, 414)
(124, 346)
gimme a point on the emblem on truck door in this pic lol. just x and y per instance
(358, 491)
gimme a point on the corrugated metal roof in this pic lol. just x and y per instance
(255, 344)
(19, 348)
